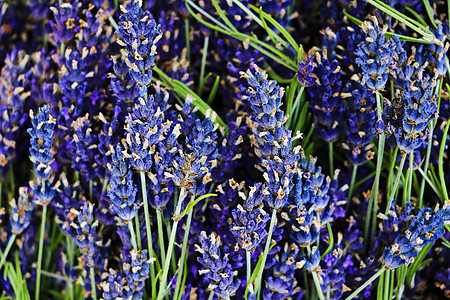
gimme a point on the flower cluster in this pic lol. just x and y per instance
(194, 150)
(425, 228)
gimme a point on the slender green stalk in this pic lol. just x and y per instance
(330, 158)
(93, 285)
(387, 279)
(8, 248)
(133, 235)
(410, 178)
(249, 265)
(203, 65)
(1, 187)
(440, 165)
(306, 283)
(393, 157)
(183, 250)
(266, 250)
(148, 228)
(396, 182)
(317, 285)
(172, 261)
(138, 230)
(173, 232)
(350, 190)
(91, 190)
(316, 279)
(376, 183)
(41, 248)
(187, 37)
(211, 295)
(362, 287)
(69, 248)
(162, 247)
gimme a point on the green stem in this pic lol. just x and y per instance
(316, 279)
(91, 190)
(211, 295)
(266, 250)
(440, 165)
(148, 228)
(132, 235)
(362, 287)
(172, 261)
(187, 38)
(203, 65)
(396, 182)
(41, 248)
(69, 244)
(330, 158)
(249, 265)
(350, 190)
(138, 230)
(162, 247)
(376, 183)
(93, 285)
(387, 279)
(171, 244)
(8, 248)
(183, 250)
(410, 178)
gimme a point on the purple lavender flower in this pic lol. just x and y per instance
(143, 131)
(249, 220)
(129, 283)
(282, 282)
(216, 267)
(139, 33)
(123, 190)
(191, 167)
(376, 55)
(425, 228)
(86, 235)
(336, 265)
(14, 94)
(305, 74)
(413, 107)
(41, 151)
(21, 211)
(65, 25)
(326, 100)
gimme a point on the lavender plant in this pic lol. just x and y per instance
(224, 149)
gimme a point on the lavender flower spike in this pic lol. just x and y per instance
(425, 228)
(216, 267)
(41, 151)
(123, 190)
(376, 55)
(139, 34)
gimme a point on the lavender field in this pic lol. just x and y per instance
(224, 149)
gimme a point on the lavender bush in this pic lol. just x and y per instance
(239, 149)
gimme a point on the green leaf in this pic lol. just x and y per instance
(308, 136)
(389, 34)
(416, 264)
(183, 90)
(278, 26)
(430, 12)
(441, 162)
(411, 23)
(256, 271)
(213, 93)
(331, 244)
(193, 203)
